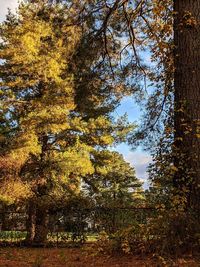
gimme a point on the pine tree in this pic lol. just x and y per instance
(115, 190)
(49, 127)
(113, 183)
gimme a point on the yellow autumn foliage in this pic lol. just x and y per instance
(14, 190)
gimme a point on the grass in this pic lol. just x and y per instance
(18, 236)
(12, 236)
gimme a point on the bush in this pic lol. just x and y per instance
(170, 233)
(128, 240)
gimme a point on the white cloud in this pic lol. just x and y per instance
(4, 5)
(140, 161)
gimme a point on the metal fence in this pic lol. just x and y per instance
(75, 224)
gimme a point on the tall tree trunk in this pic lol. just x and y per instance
(187, 99)
(30, 223)
(41, 216)
(36, 225)
(41, 226)
(3, 219)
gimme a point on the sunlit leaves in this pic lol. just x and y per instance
(55, 107)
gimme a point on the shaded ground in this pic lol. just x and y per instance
(84, 257)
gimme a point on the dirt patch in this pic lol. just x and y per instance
(79, 257)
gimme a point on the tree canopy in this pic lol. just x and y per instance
(64, 68)
(55, 106)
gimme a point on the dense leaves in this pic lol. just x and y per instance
(55, 108)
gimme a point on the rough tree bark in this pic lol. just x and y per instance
(41, 216)
(36, 225)
(41, 226)
(37, 219)
(187, 99)
(30, 223)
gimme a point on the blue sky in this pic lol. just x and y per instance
(137, 158)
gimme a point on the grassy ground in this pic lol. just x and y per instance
(17, 236)
(76, 257)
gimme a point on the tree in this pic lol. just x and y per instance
(117, 32)
(186, 97)
(170, 30)
(113, 183)
(49, 128)
(115, 190)
(176, 102)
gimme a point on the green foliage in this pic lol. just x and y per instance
(113, 183)
(64, 69)
(128, 240)
(175, 233)
(47, 136)
(12, 236)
